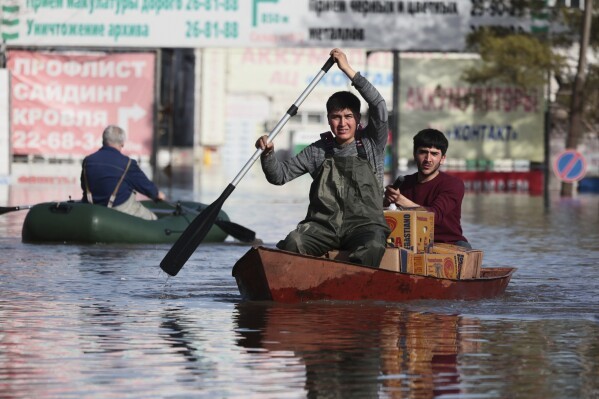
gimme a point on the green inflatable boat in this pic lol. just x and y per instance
(79, 222)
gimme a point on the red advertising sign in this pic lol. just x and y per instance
(487, 181)
(61, 102)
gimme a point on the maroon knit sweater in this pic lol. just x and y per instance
(443, 195)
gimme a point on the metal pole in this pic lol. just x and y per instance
(546, 142)
(171, 119)
(290, 112)
(3, 54)
(157, 102)
(395, 128)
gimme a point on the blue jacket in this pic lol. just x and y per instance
(103, 170)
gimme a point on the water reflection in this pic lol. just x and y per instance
(104, 329)
(101, 259)
(102, 321)
(362, 351)
(183, 335)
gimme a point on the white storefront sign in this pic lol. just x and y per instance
(494, 122)
(383, 24)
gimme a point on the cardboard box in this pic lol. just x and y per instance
(470, 260)
(445, 261)
(443, 265)
(413, 230)
(391, 260)
(411, 262)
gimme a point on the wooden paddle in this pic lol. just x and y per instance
(196, 231)
(398, 182)
(396, 185)
(235, 230)
(7, 209)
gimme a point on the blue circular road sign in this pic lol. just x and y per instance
(570, 166)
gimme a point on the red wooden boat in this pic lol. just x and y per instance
(265, 274)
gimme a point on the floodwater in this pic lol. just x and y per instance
(103, 321)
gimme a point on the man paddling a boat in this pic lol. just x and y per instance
(346, 206)
(110, 178)
(432, 189)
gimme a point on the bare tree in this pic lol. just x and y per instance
(577, 99)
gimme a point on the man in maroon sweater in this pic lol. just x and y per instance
(432, 189)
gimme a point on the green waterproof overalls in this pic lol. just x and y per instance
(345, 211)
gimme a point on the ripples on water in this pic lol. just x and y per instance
(100, 321)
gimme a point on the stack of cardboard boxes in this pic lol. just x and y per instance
(412, 234)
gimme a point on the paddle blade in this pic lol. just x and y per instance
(193, 235)
(236, 231)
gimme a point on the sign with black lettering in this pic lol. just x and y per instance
(381, 24)
(491, 122)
